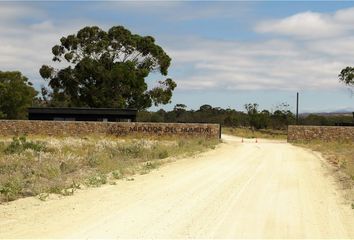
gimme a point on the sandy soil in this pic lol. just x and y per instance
(267, 189)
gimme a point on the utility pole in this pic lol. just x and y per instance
(297, 108)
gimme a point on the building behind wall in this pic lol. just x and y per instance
(83, 114)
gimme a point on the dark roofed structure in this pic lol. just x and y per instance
(83, 114)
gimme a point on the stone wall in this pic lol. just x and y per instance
(324, 133)
(71, 128)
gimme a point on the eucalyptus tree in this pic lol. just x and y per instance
(346, 76)
(16, 95)
(108, 69)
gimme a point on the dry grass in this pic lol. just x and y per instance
(340, 154)
(42, 165)
(248, 133)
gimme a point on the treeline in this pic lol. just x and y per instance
(17, 94)
(254, 118)
(251, 117)
(329, 120)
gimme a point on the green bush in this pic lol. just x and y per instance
(97, 180)
(20, 144)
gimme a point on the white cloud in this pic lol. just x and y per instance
(199, 63)
(311, 25)
(320, 45)
(10, 11)
(274, 64)
(339, 48)
(42, 26)
(345, 15)
(26, 47)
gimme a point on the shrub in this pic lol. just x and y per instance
(117, 174)
(20, 144)
(151, 165)
(163, 154)
(93, 160)
(134, 150)
(97, 180)
(148, 166)
(11, 189)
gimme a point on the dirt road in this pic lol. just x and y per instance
(239, 190)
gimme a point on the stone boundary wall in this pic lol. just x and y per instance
(71, 128)
(324, 133)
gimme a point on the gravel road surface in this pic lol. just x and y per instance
(267, 189)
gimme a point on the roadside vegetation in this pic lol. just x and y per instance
(41, 166)
(341, 154)
(249, 133)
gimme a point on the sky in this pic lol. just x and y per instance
(225, 54)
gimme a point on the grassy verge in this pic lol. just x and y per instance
(340, 154)
(248, 133)
(39, 166)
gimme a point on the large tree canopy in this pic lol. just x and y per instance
(108, 69)
(347, 76)
(16, 95)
